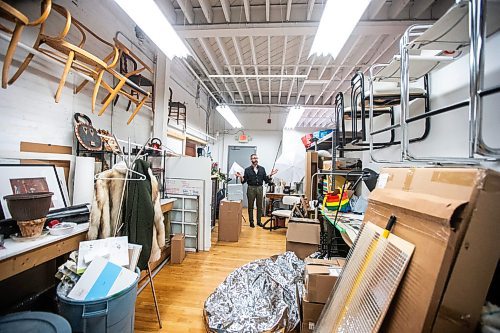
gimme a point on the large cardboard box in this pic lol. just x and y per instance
(320, 278)
(310, 315)
(451, 215)
(302, 238)
(178, 252)
(230, 220)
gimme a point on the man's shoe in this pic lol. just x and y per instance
(260, 224)
(252, 225)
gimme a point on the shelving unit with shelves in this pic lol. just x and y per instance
(184, 219)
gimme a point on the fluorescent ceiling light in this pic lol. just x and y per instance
(283, 76)
(148, 16)
(336, 25)
(294, 116)
(226, 112)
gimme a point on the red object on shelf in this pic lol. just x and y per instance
(307, 140)
(52, 223)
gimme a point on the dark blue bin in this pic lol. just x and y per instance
(114, 314)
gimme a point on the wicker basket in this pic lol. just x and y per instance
(31, 228)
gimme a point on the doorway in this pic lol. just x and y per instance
(240, 155)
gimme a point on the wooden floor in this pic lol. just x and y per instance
(182, 289)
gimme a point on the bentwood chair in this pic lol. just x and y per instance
(72, 54)
(11, 14)
(140, 74)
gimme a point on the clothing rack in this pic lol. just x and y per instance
(127, 158)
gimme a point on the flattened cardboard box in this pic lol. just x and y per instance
(178, 252)
(436, 208)
(230, 220)
(302, 238)
(310, 315)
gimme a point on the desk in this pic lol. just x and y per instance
(18, 257)
(167, 205)
(348, 224)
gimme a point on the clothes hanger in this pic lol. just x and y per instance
(128, 171)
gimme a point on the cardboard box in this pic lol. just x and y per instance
(310, 315)
(451, 215)
(302, 238)
(320, 278)
(178, 252)
(230, 220)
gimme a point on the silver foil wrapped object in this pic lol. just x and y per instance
(261, 296)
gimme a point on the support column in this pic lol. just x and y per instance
(161, 97)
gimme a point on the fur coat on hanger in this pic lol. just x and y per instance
(106, 205)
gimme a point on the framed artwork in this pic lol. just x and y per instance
(31, 178)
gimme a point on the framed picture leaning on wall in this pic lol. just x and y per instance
(31, 178)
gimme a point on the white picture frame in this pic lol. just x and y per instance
(31, 178)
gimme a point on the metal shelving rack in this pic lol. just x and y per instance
(185, 219)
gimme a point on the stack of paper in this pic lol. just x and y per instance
(134, 251)
(101, 279)
(115, 249)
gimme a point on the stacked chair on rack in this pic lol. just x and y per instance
(11, 14)
(138, 79)
(72, 54)
(426, 48)
(68, 46)
(384, 100)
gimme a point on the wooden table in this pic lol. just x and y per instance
(18, 257)
(167, 205)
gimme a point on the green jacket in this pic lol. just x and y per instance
(139, 212)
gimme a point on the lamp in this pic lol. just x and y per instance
(148, 16)
(228, 114)
(294, 116)
(336, 25)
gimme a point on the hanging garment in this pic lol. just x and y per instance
(143, 223)
(106, 202)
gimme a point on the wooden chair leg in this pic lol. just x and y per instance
(80, 86)
(26, 62)
(10, 53)
(96, 89)
(67, 67)
(21, 68)
(84, 82)
(112, 95)
(138, 107)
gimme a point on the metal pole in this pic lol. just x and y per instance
(477, 9)
(154, 296)
(405, 92)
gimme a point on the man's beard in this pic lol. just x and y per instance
(255, 163)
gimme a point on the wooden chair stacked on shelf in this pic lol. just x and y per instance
(133, 79)
(73, 55)
(11, 14)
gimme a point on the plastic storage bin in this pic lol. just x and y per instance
(21, 322)
(114, 314)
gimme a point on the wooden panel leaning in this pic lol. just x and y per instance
(11, 14)
(71, 54)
